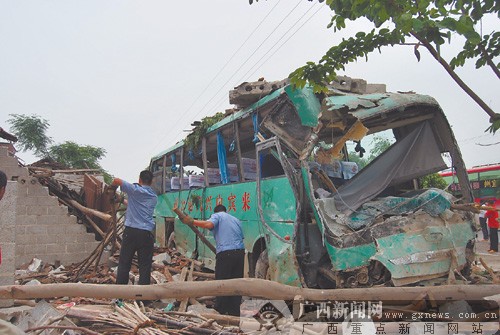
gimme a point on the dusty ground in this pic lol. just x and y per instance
(493, 260)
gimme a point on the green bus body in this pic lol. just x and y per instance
(484, 181)
(393, 232)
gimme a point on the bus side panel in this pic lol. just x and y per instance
(279, 208)
(283, 267)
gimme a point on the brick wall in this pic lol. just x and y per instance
(41, 227)
(7, 238)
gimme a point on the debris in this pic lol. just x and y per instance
(35, 265)
(494, 277)
(249, 92)
(33, 282)
(162, 258)
(43, 315)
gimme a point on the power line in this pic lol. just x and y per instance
(246, 61)
(300, 27)
(232, 56)
(219, 72)
(245, 75)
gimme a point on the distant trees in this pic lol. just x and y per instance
(378, 146)
(381, 144)
(31, 131)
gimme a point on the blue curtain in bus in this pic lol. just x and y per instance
(221, 155)
(255, 121)
(174, 167)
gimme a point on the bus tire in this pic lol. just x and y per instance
(262, 266)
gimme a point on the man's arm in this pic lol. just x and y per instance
(117, 182)
(186, 219)
(204, 224)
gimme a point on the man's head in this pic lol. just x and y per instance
(3, 184)
(491, 202)
(219, 208)
(146, 177)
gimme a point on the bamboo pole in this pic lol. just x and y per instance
(246, 287)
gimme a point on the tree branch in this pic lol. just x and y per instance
(489, 61)
(455, 77)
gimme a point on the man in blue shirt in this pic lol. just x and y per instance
(139, 225)
(230, 255)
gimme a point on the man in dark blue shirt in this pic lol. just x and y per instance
(230, 257)
(139, 225)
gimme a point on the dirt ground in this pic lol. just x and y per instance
(482, 247)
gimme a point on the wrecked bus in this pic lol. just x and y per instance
(283, 166)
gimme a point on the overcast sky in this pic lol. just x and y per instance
(131, 76)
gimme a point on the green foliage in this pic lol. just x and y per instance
(31, 132)
(433, 180)
(77, 156)
(193, 140)
(495, 123)
(361, 162)
(380, 144)
(431, 22)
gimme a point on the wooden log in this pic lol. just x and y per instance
(251, 287)
(496, 280)
(189, 278)
(202, 237)
(89, 211)
(167, 274)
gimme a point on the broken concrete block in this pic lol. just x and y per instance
(348, 84)
(250, 92)
(33, 282)
(39, 315)
(376, 88)
(161, 258)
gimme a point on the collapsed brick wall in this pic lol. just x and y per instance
(42, 227)
(7, 238)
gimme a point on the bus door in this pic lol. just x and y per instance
(277, 211)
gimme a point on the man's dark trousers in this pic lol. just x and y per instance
(494, 239)
(484, 228)
(229, 264)
(142, 242)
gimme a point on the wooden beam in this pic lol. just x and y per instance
(247, 287)
(89, 211)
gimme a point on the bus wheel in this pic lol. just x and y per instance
(262, 266)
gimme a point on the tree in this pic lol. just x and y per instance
(77, 156)
(427, 23)
(433, 180)
(378, 146)
(31, 132)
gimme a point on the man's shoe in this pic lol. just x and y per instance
(492, 251)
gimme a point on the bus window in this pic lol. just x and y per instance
(270, 165)
(157, 169)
